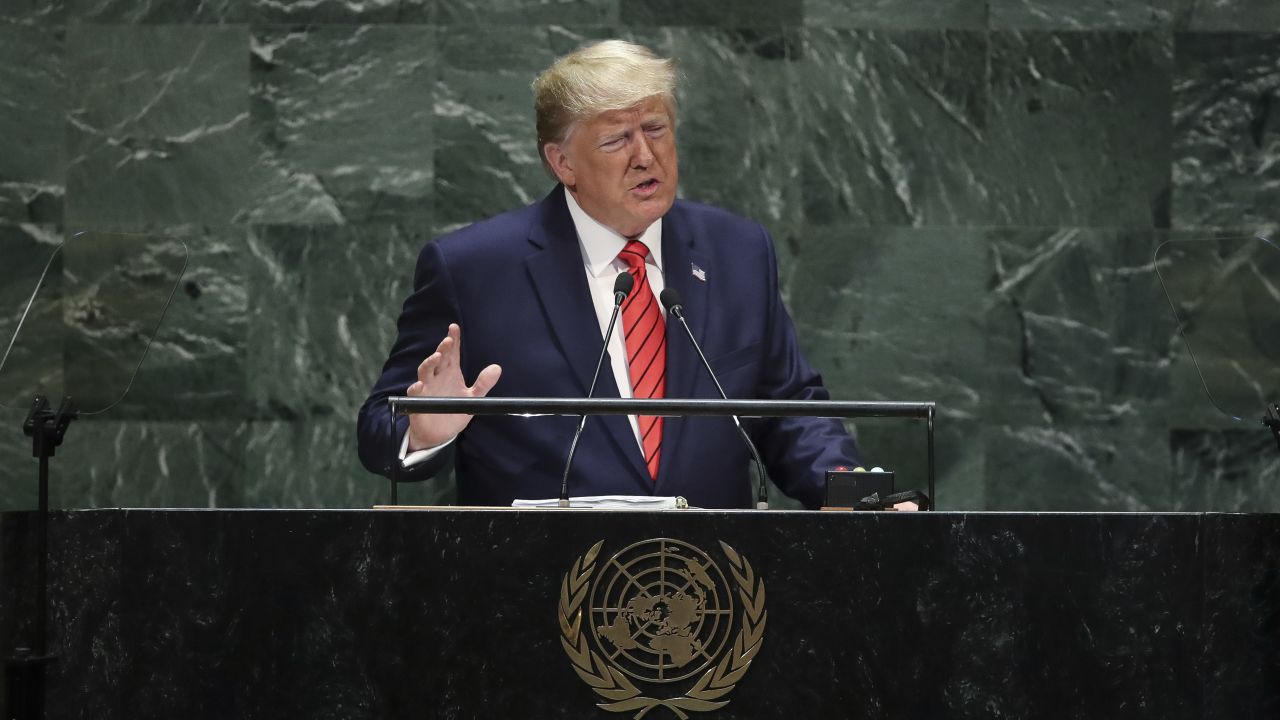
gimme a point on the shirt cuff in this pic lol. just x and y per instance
(409, 459)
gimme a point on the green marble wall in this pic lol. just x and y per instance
(965, 194)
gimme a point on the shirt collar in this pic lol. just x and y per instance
(601, 245)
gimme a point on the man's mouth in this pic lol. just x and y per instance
(647, 187)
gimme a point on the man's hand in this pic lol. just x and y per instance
(441, 376)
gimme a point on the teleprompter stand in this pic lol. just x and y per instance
(130, 281)
(1221, 289)
(25, 670)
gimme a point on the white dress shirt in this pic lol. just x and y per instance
(600, 247)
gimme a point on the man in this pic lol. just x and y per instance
(532, 289)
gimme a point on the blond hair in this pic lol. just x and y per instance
(597, 78)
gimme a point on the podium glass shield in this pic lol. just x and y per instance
(1225, 292)
(81, 326)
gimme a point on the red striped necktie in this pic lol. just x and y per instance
(646, 335)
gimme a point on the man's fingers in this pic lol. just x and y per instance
(485, 381)
(445, 347)
(428, 367)
(454, 340)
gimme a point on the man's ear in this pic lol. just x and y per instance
(560, 164)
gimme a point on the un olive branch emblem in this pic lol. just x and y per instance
(674, 613)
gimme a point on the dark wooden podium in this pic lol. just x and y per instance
(458, 614)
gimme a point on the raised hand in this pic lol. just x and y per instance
(440, 375)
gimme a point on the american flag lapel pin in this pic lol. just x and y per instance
(698, 273)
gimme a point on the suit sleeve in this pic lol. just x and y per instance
(797, 451)
(424, 321)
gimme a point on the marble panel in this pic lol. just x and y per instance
(157, 12)
(31, 361)
(894, 15)
(1079, 129)
(738, 132)
(86, 557)
(1240, 15)
(15, 541)
(323, 307)
(892, 125)
(158, 125)
(1107, 15)
(1111, 467)
(1078, 329)
(924, 615)
(486, 158)
(526, 13)
(33, 12)
(315, 12)
(312, 463)
(1241, 616)
(1226, 144)
(1226, 470)
(895, 314)
(1113, 597)
(342, 116)
(195, 366)
(33, 85)
(875, 306)
(112, 463)
(721, 13)
(85, 560)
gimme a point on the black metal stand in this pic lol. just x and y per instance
(927, 411)
(25, 670)
(1272, 420)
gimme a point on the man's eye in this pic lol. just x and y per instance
(655, 130)
(612, 144)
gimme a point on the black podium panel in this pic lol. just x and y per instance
(457, 613)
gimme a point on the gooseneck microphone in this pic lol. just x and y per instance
(622, 286)
(671, 301)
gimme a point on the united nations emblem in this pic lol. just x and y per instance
(661, 612)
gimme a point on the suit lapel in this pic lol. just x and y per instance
(680, 256)
(556, 272)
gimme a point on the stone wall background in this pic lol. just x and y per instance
(965, 195)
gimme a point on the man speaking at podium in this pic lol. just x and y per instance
(519, 304)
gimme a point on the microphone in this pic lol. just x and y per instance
(671, 301)
(622, 286)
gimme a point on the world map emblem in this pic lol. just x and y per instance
(661, 624)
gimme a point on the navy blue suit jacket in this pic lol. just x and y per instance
(516, 285)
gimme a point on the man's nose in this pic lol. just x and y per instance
(642, 154)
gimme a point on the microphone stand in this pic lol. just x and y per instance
(672, 301)
(621, 289)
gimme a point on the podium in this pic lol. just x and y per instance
(509, 613)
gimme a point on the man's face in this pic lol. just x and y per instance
(621, 166)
